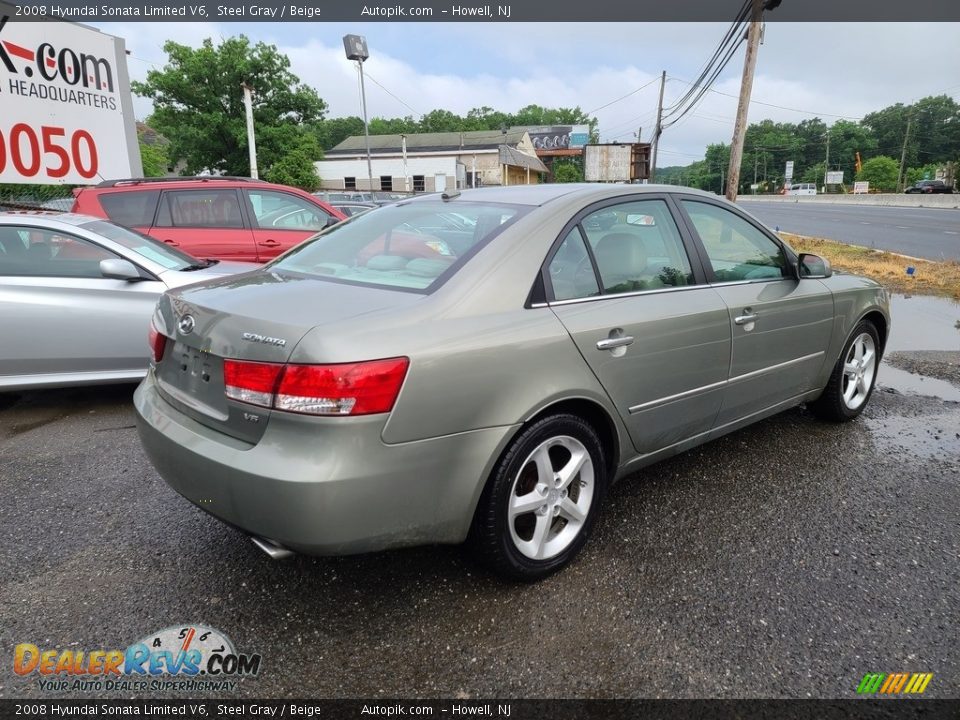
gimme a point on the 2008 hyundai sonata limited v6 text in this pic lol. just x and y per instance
(397, 381)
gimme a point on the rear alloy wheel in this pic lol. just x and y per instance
(541, 501)
(853, 377)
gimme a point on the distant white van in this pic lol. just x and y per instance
(802, 189)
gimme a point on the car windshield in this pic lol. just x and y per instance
(149, 248)
(411, 245)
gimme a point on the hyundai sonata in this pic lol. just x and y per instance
(488, 382)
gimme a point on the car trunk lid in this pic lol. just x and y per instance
(259, 318)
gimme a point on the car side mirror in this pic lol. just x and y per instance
(118, 269)
(814, 266)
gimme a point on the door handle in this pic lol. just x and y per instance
(270, 242)
(171, 242)
(747, 317)
(613, 343)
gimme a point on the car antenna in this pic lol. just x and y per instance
(450, 195)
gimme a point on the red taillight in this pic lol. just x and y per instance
(361, 388)
(251, 382)
(158, 342)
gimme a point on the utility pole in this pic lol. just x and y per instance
(755, 159)
(657, 129)
(826, 163)
(251, 140)
(903, 155)
(746, 88)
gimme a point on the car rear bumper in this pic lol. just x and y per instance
(322, 486)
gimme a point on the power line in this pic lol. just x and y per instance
(725, 49)
(634, 92)
(375, 82)
(779, 107)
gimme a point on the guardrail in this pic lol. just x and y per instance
(878, 199)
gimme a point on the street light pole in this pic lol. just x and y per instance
(356, 49)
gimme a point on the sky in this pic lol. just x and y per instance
(826, 70)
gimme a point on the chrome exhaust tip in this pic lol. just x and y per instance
(274, 550)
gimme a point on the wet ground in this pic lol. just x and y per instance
(784, 560)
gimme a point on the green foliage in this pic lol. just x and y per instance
(934, 141)
(156, 162)
(567, 172)
(297, 167)
(881, 172)
(335, 130)
(198, 106)
(927, 172)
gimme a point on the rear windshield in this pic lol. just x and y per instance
(413, 246)
(160, 253)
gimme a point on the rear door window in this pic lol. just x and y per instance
(200, 208)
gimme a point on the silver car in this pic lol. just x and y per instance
(76, 297)
(385, 385)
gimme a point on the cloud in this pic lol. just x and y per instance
(821, 69)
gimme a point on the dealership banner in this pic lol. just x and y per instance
(67, 113)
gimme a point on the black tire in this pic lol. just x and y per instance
(831, 404)
(491, 539)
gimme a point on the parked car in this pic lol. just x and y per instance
(802, 189)
(353, 402)
(212, 217)
(76, 293)
(930, 187)
(353, 208)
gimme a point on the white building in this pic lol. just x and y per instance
(432, 162)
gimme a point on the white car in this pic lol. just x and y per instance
(77, 294)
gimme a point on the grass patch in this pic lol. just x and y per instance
(889, 269)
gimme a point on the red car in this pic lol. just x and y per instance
(225, 218)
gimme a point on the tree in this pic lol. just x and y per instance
(297, 167)
(198, 105)
(155, 161)
(881, 172)
(567, 172)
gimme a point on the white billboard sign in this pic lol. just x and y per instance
(607, 163)
(788, 175)
(861, 186)
(67, 112)
(835, 177)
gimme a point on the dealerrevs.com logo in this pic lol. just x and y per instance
(47, 71)
(189, 658)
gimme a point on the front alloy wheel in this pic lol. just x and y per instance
(858, 371)
(852, 378)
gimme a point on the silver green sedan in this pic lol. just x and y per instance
(397, 381)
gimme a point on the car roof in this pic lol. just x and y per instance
(537, 195)
(47, 219)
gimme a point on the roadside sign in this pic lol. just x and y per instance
(754, 186)
(67, 110)
(861, 187)
(788, 175)
(835, 177)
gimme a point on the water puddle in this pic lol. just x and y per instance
(906, 382)
(924, 322)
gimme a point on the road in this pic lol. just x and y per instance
(785, 560)
(931, 233)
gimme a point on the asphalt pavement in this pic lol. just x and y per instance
(784, 560)
(931, 233)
